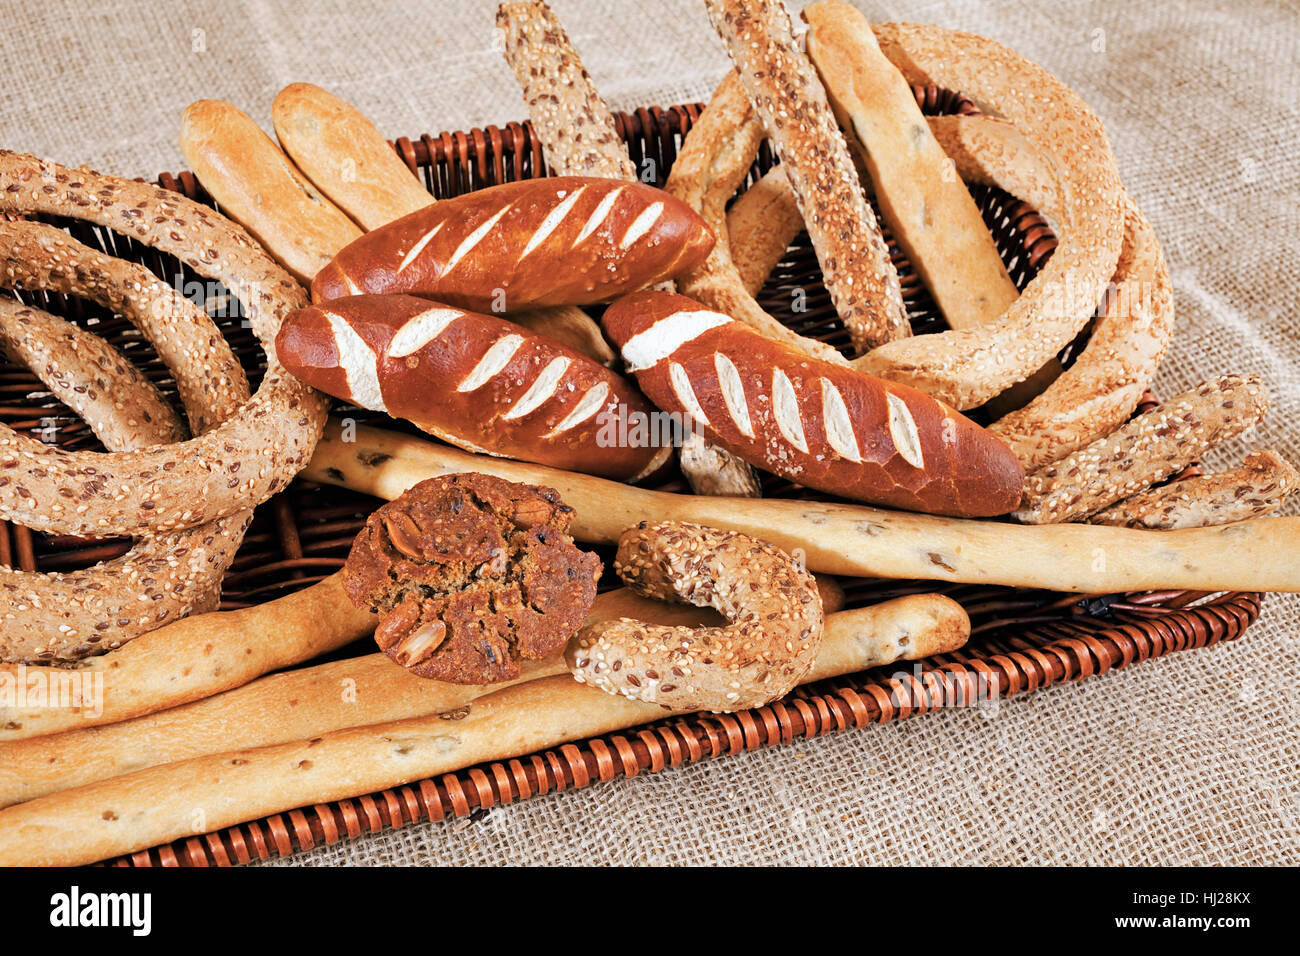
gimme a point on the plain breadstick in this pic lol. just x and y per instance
(1145, 451)
(256, 184)
(1257, 488)
(344, 156)
(164, 803)
(310, 701)
(860, 541)
(193, 658)
(761, 224)
(924, 203)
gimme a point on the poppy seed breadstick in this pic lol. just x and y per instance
(857, 540)
(1145, 451)
(155, 805)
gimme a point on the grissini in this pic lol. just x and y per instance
(786, 93)
(476, 380)
(345, 157)
(570, 118)
(160, 804)
(926, 206)
(1258, 487)
(857, 540)
(256, 184)
(718, 154)
(819, 424)
(1145, 451)
(567, 240)
(194, 658)
(309, 701)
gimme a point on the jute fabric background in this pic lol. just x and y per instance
(1188, 759)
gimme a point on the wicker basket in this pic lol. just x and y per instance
(1022, 640)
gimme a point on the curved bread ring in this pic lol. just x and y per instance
(1099, 391)
(232, 468)
(771, 602)
(68, 616)
(84, 372)
(714, 161)
(967, 367)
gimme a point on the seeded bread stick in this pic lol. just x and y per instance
(159, 804)
(785, 92)
(1143, 452)
(925, 204)
(579, 138)
(1256, 488)
(303, 703)
(858, 541)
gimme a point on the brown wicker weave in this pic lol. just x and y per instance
(1022, 640)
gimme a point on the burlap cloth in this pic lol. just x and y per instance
(1187, 759)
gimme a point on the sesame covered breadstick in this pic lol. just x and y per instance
(570, 118)
(786, 93)
(1144, 452)
(1257, 487)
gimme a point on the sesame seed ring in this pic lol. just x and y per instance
(969, 366)
(770, 601)
(230, 468)
(68, 616)
(1100, 390)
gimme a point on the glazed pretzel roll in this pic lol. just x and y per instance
(787, 96)
(121, 406)
(155, 805)
(714, 161)
(966, 367)
(474, 380)
(855, 540)
(1145, 451)
(345, 157)
(560, 241)
(256, 184)
(68, 616)
(231, 468)
(569, 115)
(819, 424)
(925, 204)
(1258, 487)
(772, 636)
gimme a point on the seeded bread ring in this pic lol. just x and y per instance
(232, 468)
(770, 601)
(967, 367)
(69, 616)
